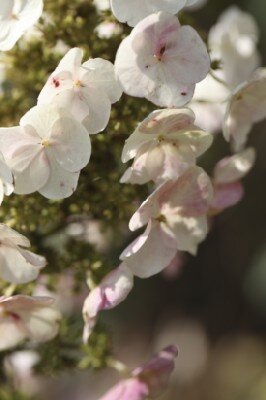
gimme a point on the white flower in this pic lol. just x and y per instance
(164, 146)
(24, 317)
(46, 152)
(246, 107)
(6, 179)
(162, 61)
(87, 90)
(16, 17)
(133, 11)
(176, 214)
(233, 41)
(17, 265)
(113, 289)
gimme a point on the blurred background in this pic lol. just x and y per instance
(212, 306)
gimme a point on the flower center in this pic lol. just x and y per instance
(78, 83)
(45, 143)
(161, 218)
(160, 138)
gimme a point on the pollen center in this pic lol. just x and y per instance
(45, 142)
(77, 83)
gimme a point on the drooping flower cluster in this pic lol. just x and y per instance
(164, 62)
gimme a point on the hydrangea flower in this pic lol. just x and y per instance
(86, 90)
(233, 40)
(17, 265)
(162, 61)
(46, 152)
(246, 107)
(16, 17)
(164, 146)
(113, 289)
(24, 317)
(133, 11)
(6, 179)
(228, 172)
(148, 380)
(176, 214)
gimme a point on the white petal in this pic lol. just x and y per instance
(70, 144)
(14, 267)
(11, 332)
(150, 253)
(10, 235)
(102, 75)
(134, 11)
(34, 177)
(61, 183)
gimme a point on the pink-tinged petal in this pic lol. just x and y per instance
(61, 183)
(246, 107)
(70, 144)
(173, 270)
(128, 389)
(167, 121)
(150, 253)
(187, 232)
(167, 161)
(175, 126)
(190, 194)
(156, 372)
(137, 174)
(15, 268)
(100, 74)
(226, 195)
(63, 77)
(188, 60)
(234, 168)
(113, 289)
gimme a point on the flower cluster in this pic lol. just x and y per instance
(168, 64)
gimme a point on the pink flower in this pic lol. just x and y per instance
(150, 379)
(164, 146)
(176, 217)
(228, 189)
(113, 289)
(24, 317)
(162, 61)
